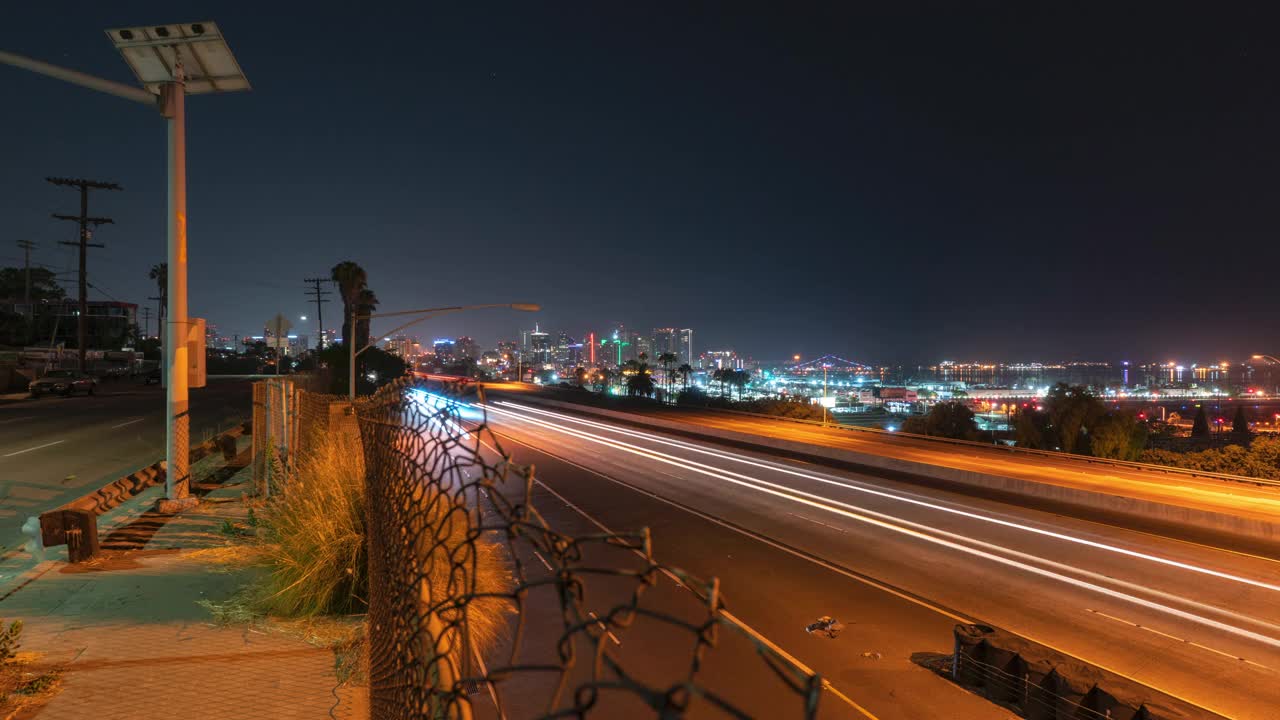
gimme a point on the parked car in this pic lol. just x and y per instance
(152, 376)
(63, 382)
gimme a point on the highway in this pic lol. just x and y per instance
(792, 541)
(55, 449)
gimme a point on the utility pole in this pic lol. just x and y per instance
(317, 294)
(82, 326)
(146, 322)
(26, 246)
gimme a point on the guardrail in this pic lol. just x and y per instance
(75, 523)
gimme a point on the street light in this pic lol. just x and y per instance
(171, 62)
(424, 314)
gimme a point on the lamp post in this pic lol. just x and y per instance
(171, 62)
(422, 315)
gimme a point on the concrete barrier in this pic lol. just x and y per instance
(1058, 498)
(75, 523)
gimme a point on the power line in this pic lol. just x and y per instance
(84, 220)
(317, 294)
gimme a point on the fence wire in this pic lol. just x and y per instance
(463, 568)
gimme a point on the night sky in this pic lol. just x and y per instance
(906, 183)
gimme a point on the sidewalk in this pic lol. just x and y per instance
(135, 640)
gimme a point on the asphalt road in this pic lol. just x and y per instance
(901, 565)
(55, 449)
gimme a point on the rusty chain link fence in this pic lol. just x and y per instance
(479, 607)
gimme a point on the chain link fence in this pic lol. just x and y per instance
(464, 567)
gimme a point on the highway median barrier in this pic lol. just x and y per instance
(75, 524)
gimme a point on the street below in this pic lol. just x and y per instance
(55, 449)
(901, 565)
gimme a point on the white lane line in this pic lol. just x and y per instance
(1192, 643)
(9, 420)
(802, 517)
(55, 442)
(123, 424)
(826, 684)
(907, 499)
(605, 628)
(543, 560)
(938, 537)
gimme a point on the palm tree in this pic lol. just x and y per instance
(666, 360)
(160, 273)
(366, 303)
(740, 378)
(351, 280)
(685, 371)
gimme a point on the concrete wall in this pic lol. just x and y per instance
(1046, 495)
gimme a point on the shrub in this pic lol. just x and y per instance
(314, 533)
(9, 640)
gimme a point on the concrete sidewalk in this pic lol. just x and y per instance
(135, 640)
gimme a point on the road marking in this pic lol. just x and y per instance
(802, 517)
(544, 562)
(123, 424)
(605, 628)
(1192, 643)
(826, 684)
(24, 417)
(55, 442)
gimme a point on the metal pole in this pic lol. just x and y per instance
(351, 363)
(82, 322)
(177, 438)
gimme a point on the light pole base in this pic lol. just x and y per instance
(173, 507)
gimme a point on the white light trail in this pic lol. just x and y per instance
(857, 487)
(923, 533)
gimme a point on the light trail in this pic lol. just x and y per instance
(905, 499)
(923, 533)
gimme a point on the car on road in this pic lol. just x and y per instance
(152, 376)
(63, 382)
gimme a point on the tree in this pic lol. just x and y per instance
(351, 280)
(44, 284)
(160, 274)
(685, 371)
(667, 360)
(1118, 436)
(739, 380)
(640, 383)
(580, 376)
(366, 303)
(1070, 412)
(1240, 424)
(946, 419)
(1200, 426)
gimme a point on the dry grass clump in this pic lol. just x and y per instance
(314, 534)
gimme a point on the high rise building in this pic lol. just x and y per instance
(685, 345)
(445, 349)
(536, 347)
(714, 359)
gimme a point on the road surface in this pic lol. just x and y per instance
(55, 449)
(792, 541)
